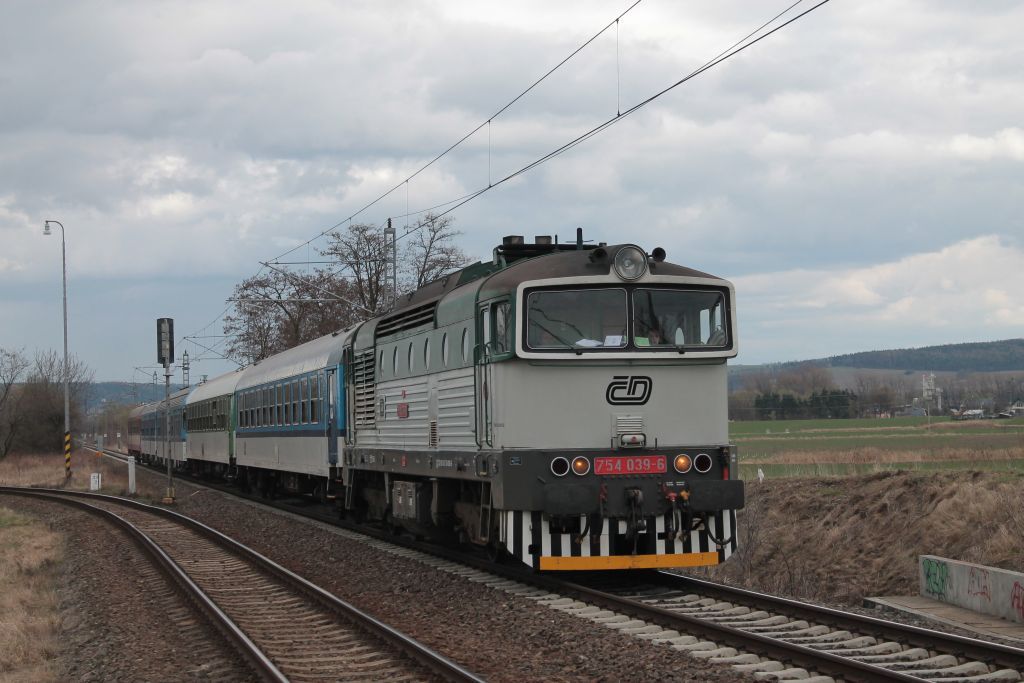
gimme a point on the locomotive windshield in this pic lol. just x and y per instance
(640, 319)
(672, 318)
(576, 319)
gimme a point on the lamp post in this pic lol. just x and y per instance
(67, 399)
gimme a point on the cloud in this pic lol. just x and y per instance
(965, 291)
(195, 143)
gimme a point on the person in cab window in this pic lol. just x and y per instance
(654, 336)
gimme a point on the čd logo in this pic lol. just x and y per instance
(629, 390)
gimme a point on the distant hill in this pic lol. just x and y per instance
(125, 393)
(997, 356)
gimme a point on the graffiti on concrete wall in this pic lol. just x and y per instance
(936, 577)
(978, 584)
(1017, 599)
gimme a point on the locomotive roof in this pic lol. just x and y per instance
(453, 297)
(576, 263)
(495, 279)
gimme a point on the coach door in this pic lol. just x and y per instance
(332, 416)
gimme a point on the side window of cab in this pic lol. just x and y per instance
(502, 327)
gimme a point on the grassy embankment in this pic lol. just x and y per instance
(29, 621)
(30, 556)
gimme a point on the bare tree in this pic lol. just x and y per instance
(362, 251)
(13, 365)
(274, 311)
(277, 310)
(432, 252)
(40, 405)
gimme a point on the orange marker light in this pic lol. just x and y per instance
(682, 463)
(580, 465)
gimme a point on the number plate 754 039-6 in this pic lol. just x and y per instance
(630, 464)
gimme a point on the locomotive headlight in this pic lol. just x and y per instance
(682, 463)
(630, 263)
(580, 465)
(559, 467)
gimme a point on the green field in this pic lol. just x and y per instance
(859, 446)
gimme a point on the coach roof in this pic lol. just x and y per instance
(218, 386)
(313, 355)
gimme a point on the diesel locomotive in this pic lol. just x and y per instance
(562, 404)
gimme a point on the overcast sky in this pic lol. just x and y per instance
(858, 175)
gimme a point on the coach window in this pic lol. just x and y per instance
(287, 393)
(444, 349)
(303, 397)
(266, 407)
(258, 407)
(314, 399)
(295, 401)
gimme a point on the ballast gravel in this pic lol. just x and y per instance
(497, 635)
(119, 618)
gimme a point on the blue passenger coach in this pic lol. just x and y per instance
(284, 405)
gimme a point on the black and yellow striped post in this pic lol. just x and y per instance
(67, 454)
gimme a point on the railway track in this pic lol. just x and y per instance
(286, 628)
(757, 633)
(770, 637)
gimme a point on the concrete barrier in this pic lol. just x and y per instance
(988, 590)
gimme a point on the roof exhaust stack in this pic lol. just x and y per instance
(512, 241)
(542, 239)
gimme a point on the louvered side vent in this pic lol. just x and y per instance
(433, 434)
(365, 387)
(629, 424)
(407, 320)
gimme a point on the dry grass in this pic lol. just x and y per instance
(841, 539)
(871, 455)
(29, 621)
(47, 471)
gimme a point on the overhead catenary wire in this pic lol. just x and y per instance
(722, 56)
(468, 135)
(456, 203)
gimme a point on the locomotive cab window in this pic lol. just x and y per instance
(673, 318)
(502, 340)
(576, 319)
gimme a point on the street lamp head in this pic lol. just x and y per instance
(46, 228)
